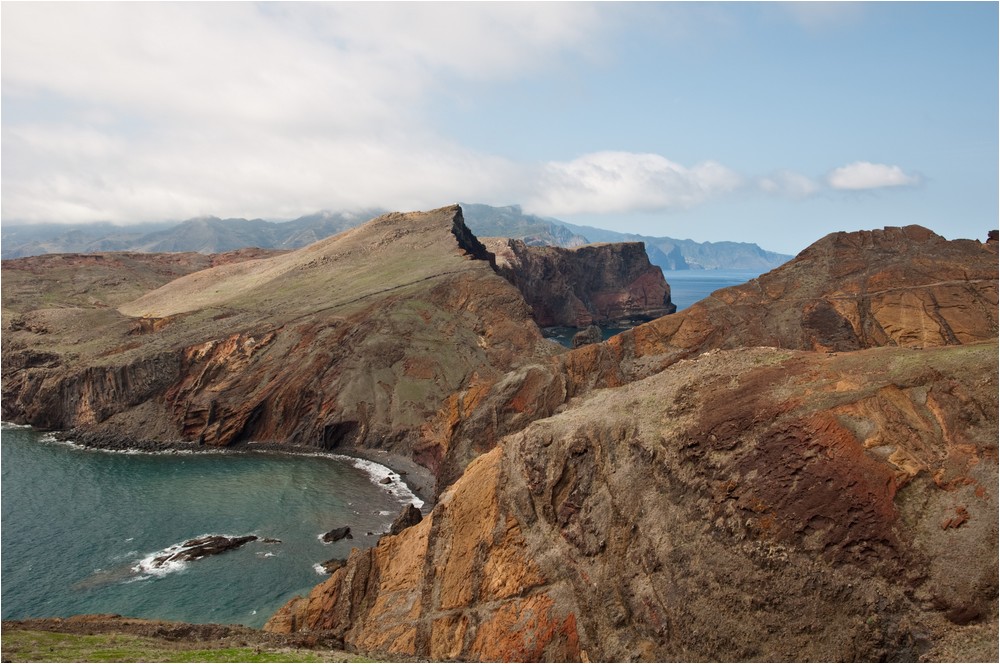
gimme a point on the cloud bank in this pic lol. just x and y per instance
(604, 182)
(131, 112)
(136, 111)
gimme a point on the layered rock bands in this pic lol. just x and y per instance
(801, 467)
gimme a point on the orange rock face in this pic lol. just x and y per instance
(458, 584)
(744, 505)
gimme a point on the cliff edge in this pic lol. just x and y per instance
(595, 284)
(352, 342)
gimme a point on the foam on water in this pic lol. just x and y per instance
(117, 513)
(377, 472)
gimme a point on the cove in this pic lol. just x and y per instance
(77, 525)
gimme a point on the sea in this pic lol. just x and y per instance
(686, 288)
(80, 527)
(690, 286)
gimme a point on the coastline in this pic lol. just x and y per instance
(412, 477)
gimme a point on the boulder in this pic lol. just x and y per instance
(209, 545)
(337, 534)
(332, 565)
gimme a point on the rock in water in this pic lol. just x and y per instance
(209, 545)
(338, 534)
(410, 516)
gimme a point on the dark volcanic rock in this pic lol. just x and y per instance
(210, 545)
(600, 284)
(409, 516)
(332, 565)
(337, 534)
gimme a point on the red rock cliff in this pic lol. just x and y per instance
(893, 287)
(599, 284)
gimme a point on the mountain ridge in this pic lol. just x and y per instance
(215, 235)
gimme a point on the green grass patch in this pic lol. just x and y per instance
(41, 646)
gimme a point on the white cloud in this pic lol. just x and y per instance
(605, 182)
(138, 111)
(789, 184)
(143, 111)
(866, 175)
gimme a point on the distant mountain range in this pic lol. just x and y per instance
(209, 235)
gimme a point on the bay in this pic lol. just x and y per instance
(76, 523)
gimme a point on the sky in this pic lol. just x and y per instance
(773, 123)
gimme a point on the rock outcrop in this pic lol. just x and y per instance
(596, 284)
(355, 341)
(200, 547)
(751, 504)
(894, 287)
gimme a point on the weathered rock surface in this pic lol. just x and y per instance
(200, 547)
(355, 341)
(337, 534)
(751, 504)
(600, 284)
(589, 335)
(408, 516)
(849, 291)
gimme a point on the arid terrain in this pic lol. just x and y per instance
(803, 467)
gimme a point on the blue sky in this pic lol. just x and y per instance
(774, 123)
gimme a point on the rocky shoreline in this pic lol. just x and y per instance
(420, 481)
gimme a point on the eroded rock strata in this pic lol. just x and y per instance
(802, 467)
(763, 482)
(904, 287)
(595, 284)
(354, 341)
(753, 504)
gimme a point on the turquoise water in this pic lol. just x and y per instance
(76, 524)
